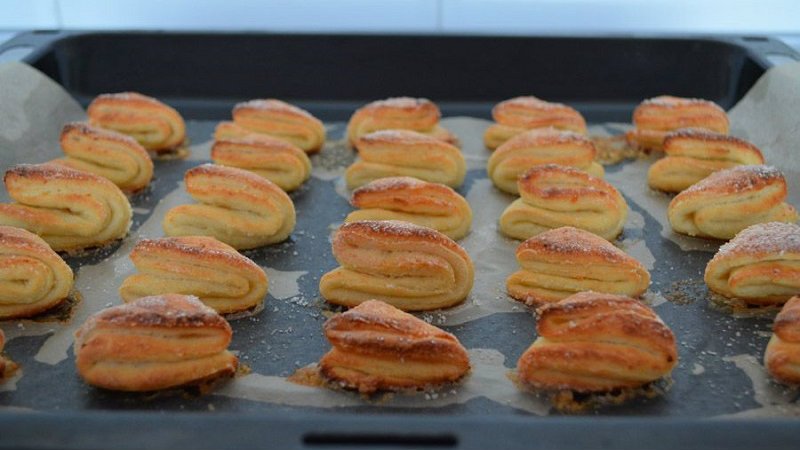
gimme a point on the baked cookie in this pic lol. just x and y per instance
(196, 265)
(513, 116)
(278, 161)
(277, 119)
(68, 208)
(378, 347)
(693, 154)
(397, 153)
(594, 343)
(154, 343)
(408, 266)
(760, 266)
(431, 205)
(537, 147)
(782, 358)
(158, 127)
(398, 113)
(656, 117)
(33, 278)
(553, 196)
(235, 206)
(731, 200)
(106, 153)
(561, 262)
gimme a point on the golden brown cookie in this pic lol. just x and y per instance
(431, 205)
(693, 154)
(538, 147)
(760, 265)
(154, 343)
(564, 261)
(33, 278)
(280, 120)
(158, 127)
(519, 114)
(408, 266)
(68, 208)
(278, 161)
(728, 201)
(106, 153)
(400, 153)
(378, 347)
(782, 357)
(654, 118)
(235, 206)
(398, 113)
(553, 196)
(592, 343)
(196, 265)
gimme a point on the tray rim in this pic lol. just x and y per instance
(90, 429)
(757, 46)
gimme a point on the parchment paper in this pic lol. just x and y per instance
(33, 108)
(769, 117)
(719, 373)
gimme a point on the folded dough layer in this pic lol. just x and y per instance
(196, 265)
(398, 113)
(760, 266)
(537, 147)
(729, 201)
(782, 357)
(561, 262)
(431, 205)
(518, 114)
(693, 154)
(154, 343)
(656, 117)
(33, 278)
(158, 127)
(555, 196)
(280, 120)
(378, 347)
(235, 206)
(69, 209)
(278, 161)
(394, 153)
(593, 342)
(408, 266)
(106, 153)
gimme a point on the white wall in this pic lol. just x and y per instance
(462, 16)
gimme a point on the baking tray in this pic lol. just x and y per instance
(203, 75)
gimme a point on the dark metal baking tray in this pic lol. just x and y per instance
(204, 74)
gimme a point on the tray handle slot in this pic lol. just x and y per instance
(331, 439)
